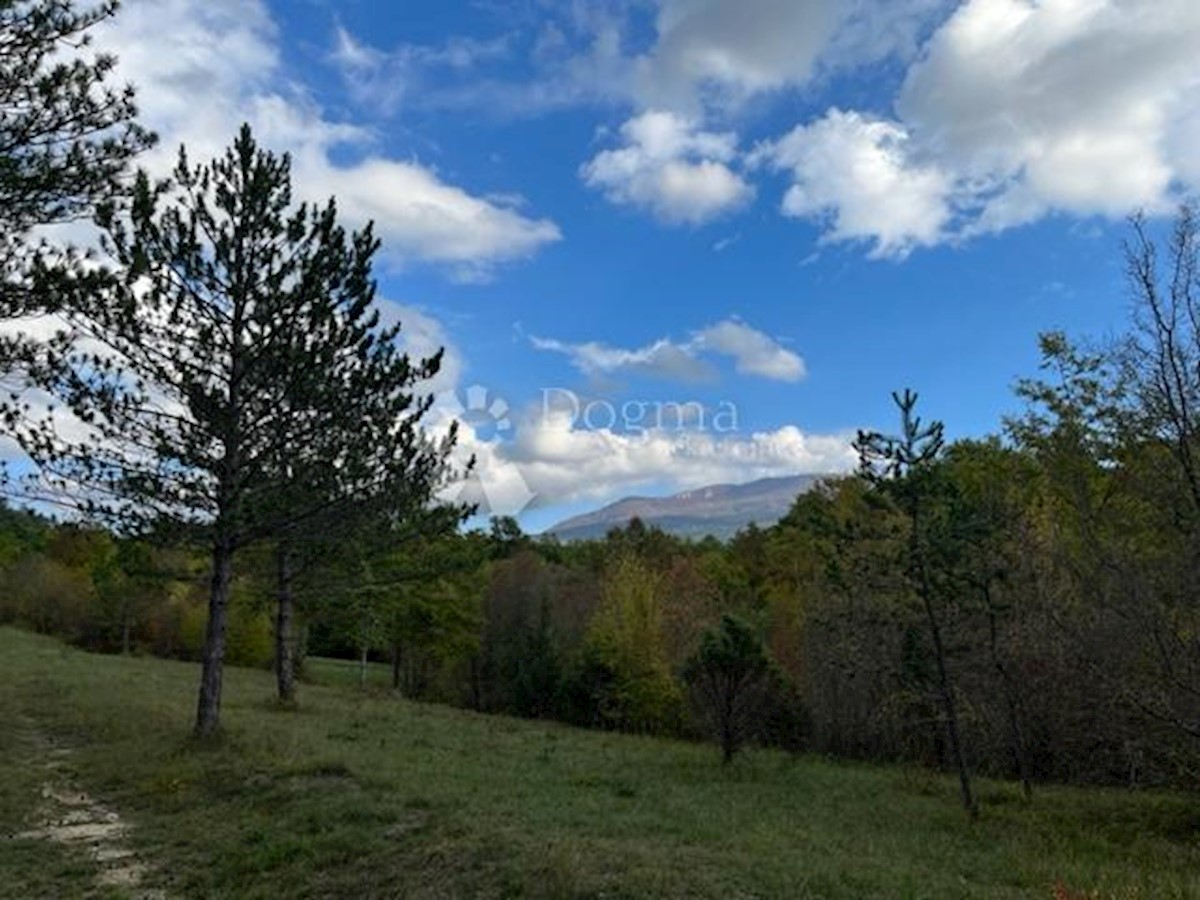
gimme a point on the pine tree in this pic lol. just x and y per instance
(67, 133)
(905, 466)
(229, 376)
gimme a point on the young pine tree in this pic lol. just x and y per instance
(905, 466)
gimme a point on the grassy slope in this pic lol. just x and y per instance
(370, 796)
(345, 672)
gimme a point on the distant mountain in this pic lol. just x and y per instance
(719, 509)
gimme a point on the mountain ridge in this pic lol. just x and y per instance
(720, 510)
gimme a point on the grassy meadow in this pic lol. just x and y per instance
(360, 794)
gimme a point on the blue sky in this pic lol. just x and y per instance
(788, 209)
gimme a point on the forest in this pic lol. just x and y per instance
(227, 461)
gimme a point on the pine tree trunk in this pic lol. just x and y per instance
(951, 710)
(728, 748)
(208, 710)
(945, 689)
(285, 669)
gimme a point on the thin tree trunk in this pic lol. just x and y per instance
(125, 629)
(728, 725)
(395, 665)
(945, 688)
(475, 667)
(951, 710)
(1010, 699)
(285, 669)
(362, 666)
(208, 709)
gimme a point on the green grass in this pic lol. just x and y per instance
(369, 796)
(331, 672)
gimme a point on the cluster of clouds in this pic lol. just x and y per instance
(536, 459)
(541, 465)
(202, 67)
(550, 451)
(1000, 112)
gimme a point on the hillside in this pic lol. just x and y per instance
(365, 795)
(719, 510)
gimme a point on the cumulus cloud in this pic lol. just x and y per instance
(532, 456)
(540, 467)
(660, 359)
(203, 66)
(721, 53)
(732, 50)
(753, 353)
(670, 168)
(859, 174)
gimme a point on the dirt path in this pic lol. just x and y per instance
(70, 816)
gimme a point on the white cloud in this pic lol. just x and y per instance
(732, 50)
(540, 467)
(390, 80)
(672, 169)
(858, 174)
(661, 359)
(421, 217)
(537, 456)
(753, 352)
(702, 55)
(721, 53)
(203, 66)
(1011, 110)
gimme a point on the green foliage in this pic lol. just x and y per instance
(626, 653)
